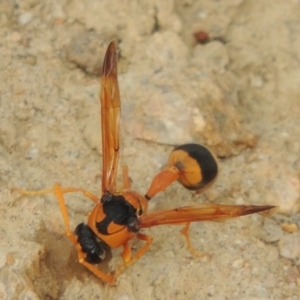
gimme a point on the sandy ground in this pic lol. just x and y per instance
(239, 94)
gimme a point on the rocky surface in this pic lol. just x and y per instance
(238, 94)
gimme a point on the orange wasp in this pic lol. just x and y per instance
(117, 217)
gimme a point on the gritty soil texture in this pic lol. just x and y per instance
(237, 91)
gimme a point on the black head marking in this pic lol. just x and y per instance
(90, 245)
(119, 211)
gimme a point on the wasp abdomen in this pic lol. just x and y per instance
(197, 166)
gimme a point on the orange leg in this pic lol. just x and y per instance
(103, 276)
(185, 232)
(64, 191)
(58, 191)
(126, 180)
(126, 254)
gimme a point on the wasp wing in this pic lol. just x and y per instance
(110, 118)
(210, 212)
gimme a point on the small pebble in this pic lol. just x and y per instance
(86, 51)
(32, 153)
(289, 246)
(238, 264)
(201, 37)
(257, 81)
(289, 227)
(30, 60)
(25, 18)
(271, 231)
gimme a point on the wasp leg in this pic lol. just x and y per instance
(64, 191)
(126, 254)
(104, 276)
(126, 180)
(87, 193)
(59, 191)
(185, 232)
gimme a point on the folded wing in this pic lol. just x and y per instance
(210, 212)
(110, 118)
